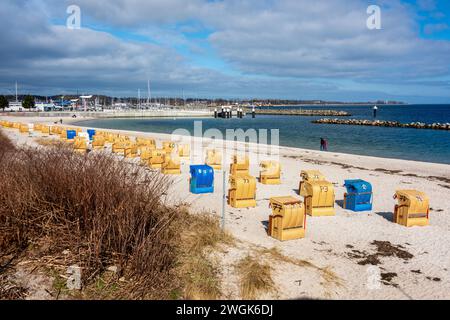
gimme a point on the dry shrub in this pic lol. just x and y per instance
(255, 278)
(105, 211)
(6, 146)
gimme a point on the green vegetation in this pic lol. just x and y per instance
(3, 103)
(28, 102)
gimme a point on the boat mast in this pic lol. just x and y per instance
(149, 93)
(139, 98)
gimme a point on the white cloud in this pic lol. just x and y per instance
(297, 48)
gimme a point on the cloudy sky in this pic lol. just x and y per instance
(296, 49)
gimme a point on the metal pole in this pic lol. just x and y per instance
(224, 199)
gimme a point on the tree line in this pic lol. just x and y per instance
(27, 103)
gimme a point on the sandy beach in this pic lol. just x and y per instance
(415, 266)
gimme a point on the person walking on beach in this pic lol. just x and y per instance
(323, 144)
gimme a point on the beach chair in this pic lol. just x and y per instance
(169, 146)
(131, 151)
(98, 142)
(37, 127)
(24, 129)
(156, 158)
(171, 164)
(202, 179)
(119, 146)
(214, 159)
(4, 124)
(62, 135)
(242, 192)
(358, 196)
(309, 175)
(240, 165)
(80, 144)
(413, 208)
(54, 131)
(319, 198)
(145, 154)
(68, 135)
(184, 151)
(288, 219)
(77, 130)
(91, 133)
(45, 130)
(145, 144)
(109, 137)
(270, 173)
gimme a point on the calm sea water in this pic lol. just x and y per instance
(411, 144)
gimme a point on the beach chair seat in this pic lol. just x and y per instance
(98, 142)
(4, 124)
(319, 198)
(24, 129)
(309, 175)
(109, 137)
(242, 192)
(131, 151)
(288, 219)
(54, 131)
(45, 130)
(214, 159)
(171, 164)
(169, 146)
(156, 158)
(119, 146)
(270, 173)
(413, 208)
(37, 127)
(145, 154)
(80, 144)
(240, 165)
(145, 143)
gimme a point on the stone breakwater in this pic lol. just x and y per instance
(300, 112)
(379, 123)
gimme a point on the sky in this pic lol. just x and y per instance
(236, 49)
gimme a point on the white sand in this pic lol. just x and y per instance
(328, 239)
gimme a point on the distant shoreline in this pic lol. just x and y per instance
(341, 105)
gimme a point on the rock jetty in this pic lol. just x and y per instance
(301, 112)
(379, 123)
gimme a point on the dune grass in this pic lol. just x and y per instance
(198, 269)
(255, 278)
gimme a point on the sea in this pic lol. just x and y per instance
(300, 132)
